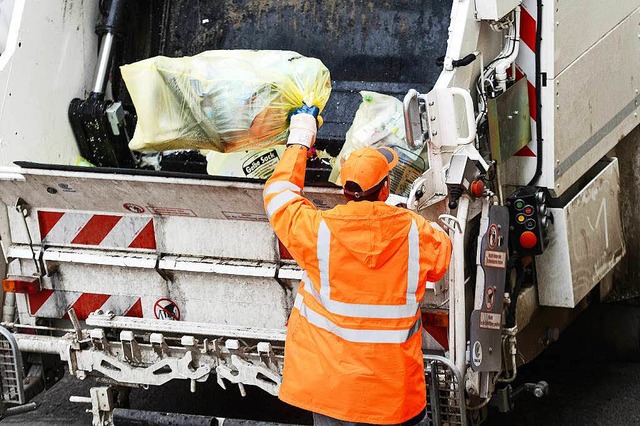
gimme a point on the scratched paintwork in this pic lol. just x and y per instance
(358, 40)
(586, 242)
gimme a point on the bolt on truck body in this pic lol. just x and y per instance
(140, 276)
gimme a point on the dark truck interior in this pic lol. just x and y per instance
(386, 46)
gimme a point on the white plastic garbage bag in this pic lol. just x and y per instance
(379, 121)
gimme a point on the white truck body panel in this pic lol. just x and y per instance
(590, 53)
(597, 101)
(49, 60)
(494, 10)
(587, 242)
(216, 266)
(578, 25)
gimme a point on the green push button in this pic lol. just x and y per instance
(519, 204)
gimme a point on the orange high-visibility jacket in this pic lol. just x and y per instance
(353, 347)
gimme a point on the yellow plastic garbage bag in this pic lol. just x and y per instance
(253, 164)
(222, 100)
(379, 121)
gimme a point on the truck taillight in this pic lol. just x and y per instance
(27, 285)
(284, 253)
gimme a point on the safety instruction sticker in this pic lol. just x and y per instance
(250, 217)
(494, 238)
(171, 211)
(490, 321)
(133, 208)
(490, 298)
(166, 309)
(495, 259)
(65, 187)
(476, 353)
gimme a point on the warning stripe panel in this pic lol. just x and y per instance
(531, 7)
(87, 303)
(525, 151)
(103, 230)
(94, 231)
(528, 29)
(55, 304)
(440, 335)
(135, 311)
(47, 220)
(36, 300)
(125, 232)
(66, 227)
(436, 326)
(533, 112)
(531, 92)
(526, 65)
(146, 238)
(526, 61)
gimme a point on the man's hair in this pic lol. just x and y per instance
(354, 187)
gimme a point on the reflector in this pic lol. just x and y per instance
(14, 284)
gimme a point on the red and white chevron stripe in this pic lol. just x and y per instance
(103, 230)
(436, 330)
(526, 65)
(54, 304)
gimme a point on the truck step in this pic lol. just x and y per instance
(11, 372)
(445, 393)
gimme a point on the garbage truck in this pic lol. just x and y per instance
(140, 275)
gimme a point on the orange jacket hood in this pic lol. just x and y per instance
(371, 232)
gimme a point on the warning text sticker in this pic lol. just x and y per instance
(171, 211)
(490, 321)
(493, 236)
(495, 259)
(251, 217)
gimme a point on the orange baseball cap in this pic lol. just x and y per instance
(368, 167)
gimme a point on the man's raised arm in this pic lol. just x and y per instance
(289, 212)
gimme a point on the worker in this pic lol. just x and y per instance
(353, 351)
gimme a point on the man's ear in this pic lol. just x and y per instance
(384, 191)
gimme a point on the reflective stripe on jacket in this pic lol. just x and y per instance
(353, 348)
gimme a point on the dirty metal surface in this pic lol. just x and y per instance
(509, 122)
(581, 252)
(391, 41)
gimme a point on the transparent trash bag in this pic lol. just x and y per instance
(222, 100)
(379, 121)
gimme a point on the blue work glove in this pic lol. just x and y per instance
(311, 110)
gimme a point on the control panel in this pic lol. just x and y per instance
(529, 221)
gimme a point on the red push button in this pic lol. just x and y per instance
(477, 188)
(528, 240)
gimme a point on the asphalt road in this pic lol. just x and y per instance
(593, 378)
(593, 373)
